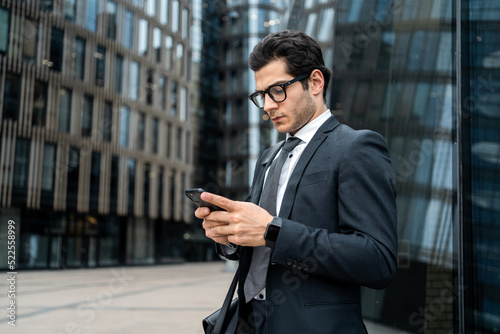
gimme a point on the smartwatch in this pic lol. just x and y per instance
(272, 231)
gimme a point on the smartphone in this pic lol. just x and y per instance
(194, 195)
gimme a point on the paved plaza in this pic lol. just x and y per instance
(153, 299)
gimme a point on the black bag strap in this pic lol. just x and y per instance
(227, 302)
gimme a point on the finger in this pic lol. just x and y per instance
(202, 212)
(221, 230)
(209, 232)
(221, 240)
(220, 201)
(208, 224)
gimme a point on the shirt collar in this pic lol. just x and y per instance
(309, 130)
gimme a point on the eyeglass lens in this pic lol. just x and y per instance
(276, 93)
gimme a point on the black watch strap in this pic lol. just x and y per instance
(272, 231)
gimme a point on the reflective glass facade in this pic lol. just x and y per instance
(425, 75)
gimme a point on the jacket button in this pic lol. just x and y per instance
(306, 267)
(300, 266)
(289, 262)
(294, 264)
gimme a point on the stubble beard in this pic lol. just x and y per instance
(303, 112)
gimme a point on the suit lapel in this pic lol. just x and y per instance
(312, 147)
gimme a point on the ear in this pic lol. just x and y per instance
(316, 82)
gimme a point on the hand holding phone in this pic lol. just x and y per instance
(194, 195)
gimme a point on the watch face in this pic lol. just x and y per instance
(271, 234)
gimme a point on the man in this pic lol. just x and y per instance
(329, 227)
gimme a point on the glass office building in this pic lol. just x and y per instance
(102, 129)
(426, 75)
(96, 133)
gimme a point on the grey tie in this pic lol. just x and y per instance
(256, 278)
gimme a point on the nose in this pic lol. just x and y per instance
(269, 103)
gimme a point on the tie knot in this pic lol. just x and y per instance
(291, 143)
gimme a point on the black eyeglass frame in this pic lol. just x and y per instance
(267, 91)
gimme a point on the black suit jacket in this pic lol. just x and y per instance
(338, 233)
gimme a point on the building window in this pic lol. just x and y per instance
(185, 24)
(70, 10)
(79, 62)
(124, 125)
(118, 77)
(47, 5)
(72, 177)
(162, 94)
(147, 183)
(107, 122)
(143, 37)
(169, 49)
(325, 25)
(149, 87)
(173, 99)
(4, 29)
(188, 148)
(175, 16)
(159, 181)
(128, 31)
(169, 140)
(11, 97)
(163, 11)
(156, 130)
(150, 6)
(131, 185)
(94, 181)
(179, 144)
(21, 164)
(355, 11)
(133, 88)
(173, 192)
(113, 187)
(29, 41)
(64, 110)
(179, 59)
(87, 111)
(112, 19)
(444, 62)
(100, 65)
(56, 50)
(183, 104)
(157, 44)
(92, 9)
(141, 129)
(49, 158)
(39, 103)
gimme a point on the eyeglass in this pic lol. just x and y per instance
(276, 92)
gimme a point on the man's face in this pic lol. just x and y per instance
(299, 107)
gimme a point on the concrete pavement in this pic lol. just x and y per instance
(126, 300)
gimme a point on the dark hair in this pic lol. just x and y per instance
(302, 54)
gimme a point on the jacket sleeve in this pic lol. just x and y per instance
(363, 250)
(230, 252)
